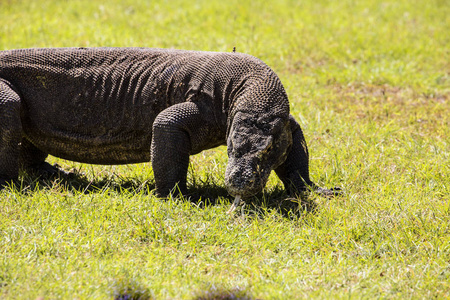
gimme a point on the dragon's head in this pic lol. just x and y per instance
(256, 145)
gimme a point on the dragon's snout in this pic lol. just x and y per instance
(244, 181)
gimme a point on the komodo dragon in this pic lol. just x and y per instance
(131, 105)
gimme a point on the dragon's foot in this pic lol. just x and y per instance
(336, 191)
(304, 191)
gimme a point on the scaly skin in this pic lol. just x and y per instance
(130, 105)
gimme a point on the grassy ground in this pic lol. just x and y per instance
(369, 81)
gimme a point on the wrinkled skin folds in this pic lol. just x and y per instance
(132, 105)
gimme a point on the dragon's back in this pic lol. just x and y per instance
(108, 98)
(73, 96)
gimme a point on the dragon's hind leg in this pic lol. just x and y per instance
(32, 161)
(10, 133)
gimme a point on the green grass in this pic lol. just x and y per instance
(369, 81)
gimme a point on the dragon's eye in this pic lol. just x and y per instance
(248, 122)
(265, 127)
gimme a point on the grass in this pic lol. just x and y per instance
(369, 82)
